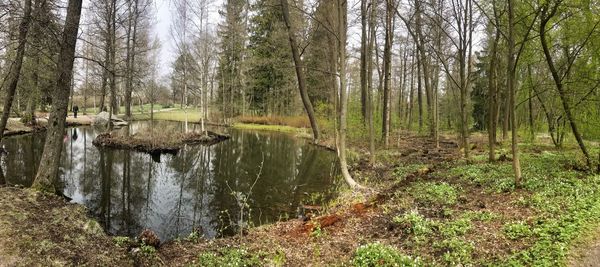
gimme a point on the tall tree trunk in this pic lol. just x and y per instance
(114, 108)
(531, 116)
(15, 69)
(420, 93)
(511, 82)
(49, 163)
(492, 91)
(128, 63)
(411, 102)
(371, 43)
(558, 82)
(363, 60)
(387, 71)
(342, 17)
(300, 71)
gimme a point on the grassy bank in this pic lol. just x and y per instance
(44, 230)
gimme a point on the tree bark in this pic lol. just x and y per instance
(300, 71)
(363, 60)
(387, 74)
(342, 28)
(15, 70)
(511, 82)
(492, 91)
(372, 36)
(49, 162)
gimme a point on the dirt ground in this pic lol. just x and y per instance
(44, 230)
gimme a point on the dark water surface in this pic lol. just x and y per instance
(195, 189)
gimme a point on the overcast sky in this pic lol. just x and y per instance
(164, 10)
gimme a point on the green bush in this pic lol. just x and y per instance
(433, 193)
(415, 223)
(456, 228)
(376, 254)
(516, 230)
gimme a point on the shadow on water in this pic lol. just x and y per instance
(173, 194)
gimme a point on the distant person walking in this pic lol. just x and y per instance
(75, 110)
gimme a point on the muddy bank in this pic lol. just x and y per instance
(44, 230)
(157, 143)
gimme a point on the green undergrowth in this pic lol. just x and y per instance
(460, 212)
(377, 254)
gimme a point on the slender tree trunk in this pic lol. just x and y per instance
(114, 107)
(559, 84)
(411, 102)
(371, 43)
(531, 116)
(419, 93)
(15, 69)
(342, 27)
(402, 93)
(49, 163)
(128, 63)
(511, 82)
(387, 71)
(363, 60)
(300, 71)
(492, 91)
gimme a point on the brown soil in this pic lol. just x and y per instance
(170, 144)
(44, 230)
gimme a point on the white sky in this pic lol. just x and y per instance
(164, 11)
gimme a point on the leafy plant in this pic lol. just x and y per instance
(456, 228)
(517, 230)
(415, 223)
(456, 251)
(121, 240)
(432, 193)
(376, 254)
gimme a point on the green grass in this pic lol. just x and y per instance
(261, 127)
(134, 109)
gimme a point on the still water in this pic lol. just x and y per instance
(195, 189)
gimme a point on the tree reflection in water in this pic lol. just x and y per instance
(129, 191)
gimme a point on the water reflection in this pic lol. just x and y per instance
(129, 191)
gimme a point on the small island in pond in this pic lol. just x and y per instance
(157, 143)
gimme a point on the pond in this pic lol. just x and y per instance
(201, 188)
